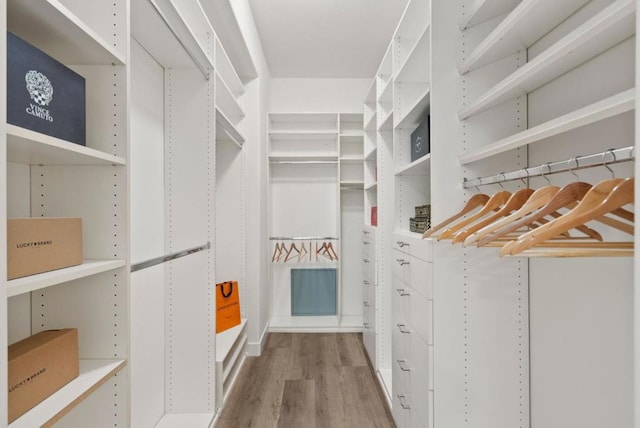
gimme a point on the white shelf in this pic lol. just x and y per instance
(226, 340)
(484, 10)
(47, 279)
(52, 27)
(303, 135)
(371, 94)
(352, 185)
(371, 186)
(352, 159)
(303, 158)
(370, 124)
(416, 67)
(386, 93)
(229, 132)
(226, 101)
(421, 166)
(182, 420)
(225, 22)
(351, 134)
(610, 27)
(330, 118)
(417, 112)
(408, 234)
(612, 106)
(525, 25)
(158, 26)
(371, 156)
(33, 148)
(93, 373)
(227, 72)
(387, 122)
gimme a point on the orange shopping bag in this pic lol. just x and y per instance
(227, 305)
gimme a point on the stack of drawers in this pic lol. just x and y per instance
(369, 292)
(412, 332)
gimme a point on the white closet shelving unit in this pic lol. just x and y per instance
(505, 82)
(519, 84)
(50, 177)
(317, 176)
(188, 135)
(399, 340)
(231, 344)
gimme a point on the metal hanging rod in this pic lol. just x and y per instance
(579, 162)
(301, 162)
(169, 257)
(302, 238)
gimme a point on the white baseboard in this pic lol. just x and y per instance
(254, 349)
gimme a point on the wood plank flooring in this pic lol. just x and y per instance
(302, 380)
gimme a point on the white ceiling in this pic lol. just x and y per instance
(325, 38)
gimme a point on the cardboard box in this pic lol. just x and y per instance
(420, 143)
(44, 95)
(41, 244)
(40, 365)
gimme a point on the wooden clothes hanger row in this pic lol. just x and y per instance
(501, 218)
(292, 252)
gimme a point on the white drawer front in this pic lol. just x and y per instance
(413, 245)
(421, 276)
(419, 386)
(422, 316)
(401, 265)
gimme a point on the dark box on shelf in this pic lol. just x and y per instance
(43, 95)
(423, 211)
(39, 366)
(41, 244)
(420, 140)
(419, 224)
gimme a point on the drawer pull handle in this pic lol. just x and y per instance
(366, 243)
(402, 244)
(402, 328)
(366, 304)
(366, 232)
(365, 282)
(366, 260)
(401, 398)
(403, 292)
(367, 325)
(402, 262)
(404, 368)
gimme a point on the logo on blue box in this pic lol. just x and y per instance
(41, 91)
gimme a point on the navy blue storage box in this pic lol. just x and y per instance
(420, 140)
(43, 95)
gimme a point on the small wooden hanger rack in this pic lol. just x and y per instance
(286, 249)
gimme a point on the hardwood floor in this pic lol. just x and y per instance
(301, 380)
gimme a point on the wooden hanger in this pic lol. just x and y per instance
(333, 253)
(537, 200)
(567, 196)
(493, 204)
(291, 248)
(474, 202)
(276, 252)
(515, 202)
(604, 197)
(303, 252)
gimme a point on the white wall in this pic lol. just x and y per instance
(318, 95)
(256, 105)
